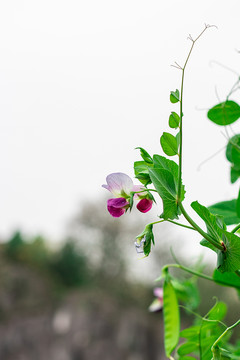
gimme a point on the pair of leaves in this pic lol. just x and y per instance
(224, 113)
(164, 176)
(201, 337)
(229, 258)
(169, 142)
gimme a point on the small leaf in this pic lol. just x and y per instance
(227, 209)
(235, 173)
(174, 120)
(149, 239)
(190, 332)
(174, 96)
(218, 311)
(224, 113)
(233, 150)
(187, 348)
(169, 144)
(145, 155)
(141, 171)
(171, 317)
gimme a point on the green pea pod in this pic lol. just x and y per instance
(171, 317)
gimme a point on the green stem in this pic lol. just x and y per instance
(236, 228)
(190, 271)
(215, 345)
(196, 273)
(145, 190)
(181, 115)
(157, 222)
(198, 229)
(186, 226)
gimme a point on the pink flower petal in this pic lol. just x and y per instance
(144, 205)
(137, 188)
(119, 184)
(117, 203)
(117, 207)
(158, 292)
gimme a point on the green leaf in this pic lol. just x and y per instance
(187, 292)
(190, 332)
(231, 260)
(164, 176)
(164, 163)
(224, 113)
(174, 96)
(209, 333)
(227, 209)
(187, 348)
(145, 155)
(233, 155)
(171, 317)
(174, 120)
(233, 150)
(186, 358)
(178, 139)
(164, 184)
(212, 222)
(141, 170)
(169, 144)
(218, 311)
(238, 205)
(148, 237)
(226, 279)
(235, 173)
(207, 244)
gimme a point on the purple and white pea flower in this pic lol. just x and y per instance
(121, 186)
(157, 303)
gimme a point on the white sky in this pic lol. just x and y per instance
(82, 83)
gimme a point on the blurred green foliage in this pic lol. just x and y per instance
(66, 266)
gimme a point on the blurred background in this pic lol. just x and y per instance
(82, 84)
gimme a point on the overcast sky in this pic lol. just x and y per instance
(82, 83)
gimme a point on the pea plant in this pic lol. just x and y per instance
(208, 337)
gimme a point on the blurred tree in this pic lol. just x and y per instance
(69, 266)
(13, 248)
